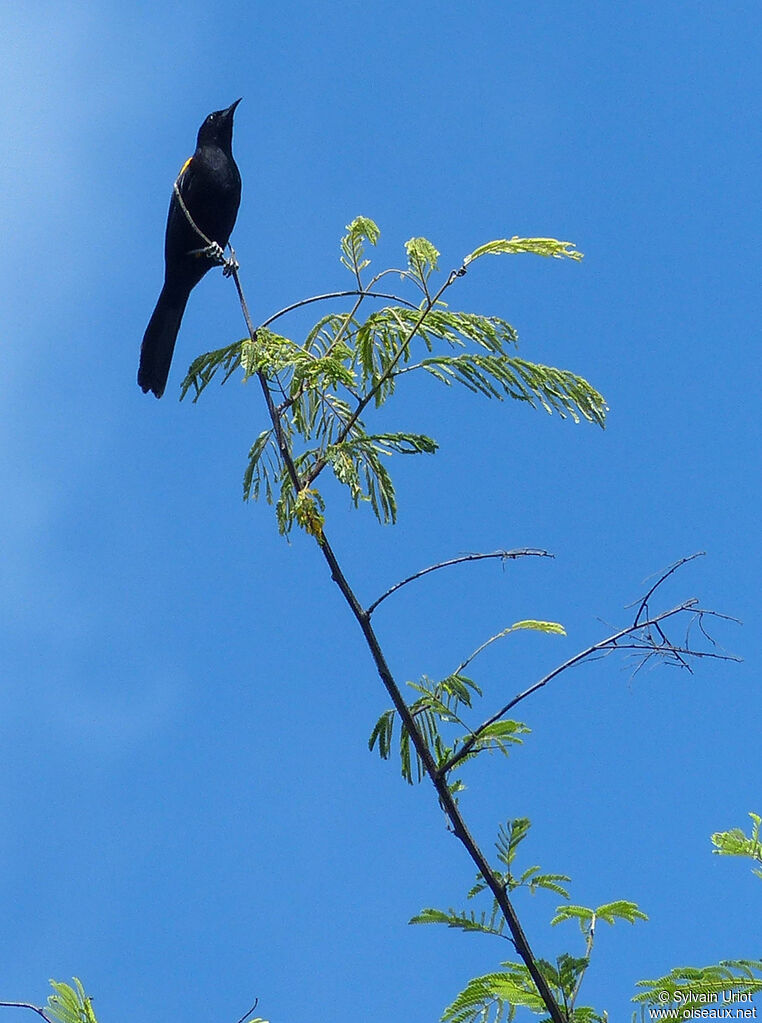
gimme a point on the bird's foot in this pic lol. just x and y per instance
(213, 252)
(230, 265)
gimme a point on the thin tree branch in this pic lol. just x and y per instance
(334, 294)
(665, 575)
(646, 645)
(249, 1011)
(610, 643)
(446, 798)
(27, 1005)
(701, 611)
(503, 555)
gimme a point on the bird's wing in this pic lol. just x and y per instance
(181, 238)
(186, 176)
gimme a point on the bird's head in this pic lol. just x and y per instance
(217, 129)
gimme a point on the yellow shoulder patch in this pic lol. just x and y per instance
(186, 165)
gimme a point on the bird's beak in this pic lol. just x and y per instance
(231, 109)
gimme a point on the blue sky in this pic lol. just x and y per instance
(190, 815)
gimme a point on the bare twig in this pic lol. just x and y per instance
(249, 1011)
(656, 644)
(665, 575)
(27, 1005)
(446, 798)
(678, 652)
(335, 294)
(503, 555)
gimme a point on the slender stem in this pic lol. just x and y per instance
(503, 555)
(335, 294)
(362, 616)
(404, 274)
(588, 952)
(26, 1005)
(482, 647)
(249, 1011)
(283, 447)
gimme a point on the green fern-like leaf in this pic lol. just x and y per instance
(382, 734)
(554, 390)
(422, 257)
(534, 880)
(382, 344)
(361, 230)
(499, 736)
(323, 386)
(553, 628)
(357, 464)
(548, 247)
(620, 910)
(328, 331)
(437, 703)
(495, 997)
(203, 369)
(70, 1004)
(509, 838)
(564, 975)
(582, 914)
(610, 912)
(256, 472)
(269, 353)
(325, 372)
(736, 843)
(456, 329)
(462, 921)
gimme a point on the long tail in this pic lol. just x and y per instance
(159, 342)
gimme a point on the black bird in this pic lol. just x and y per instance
(210, 187)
